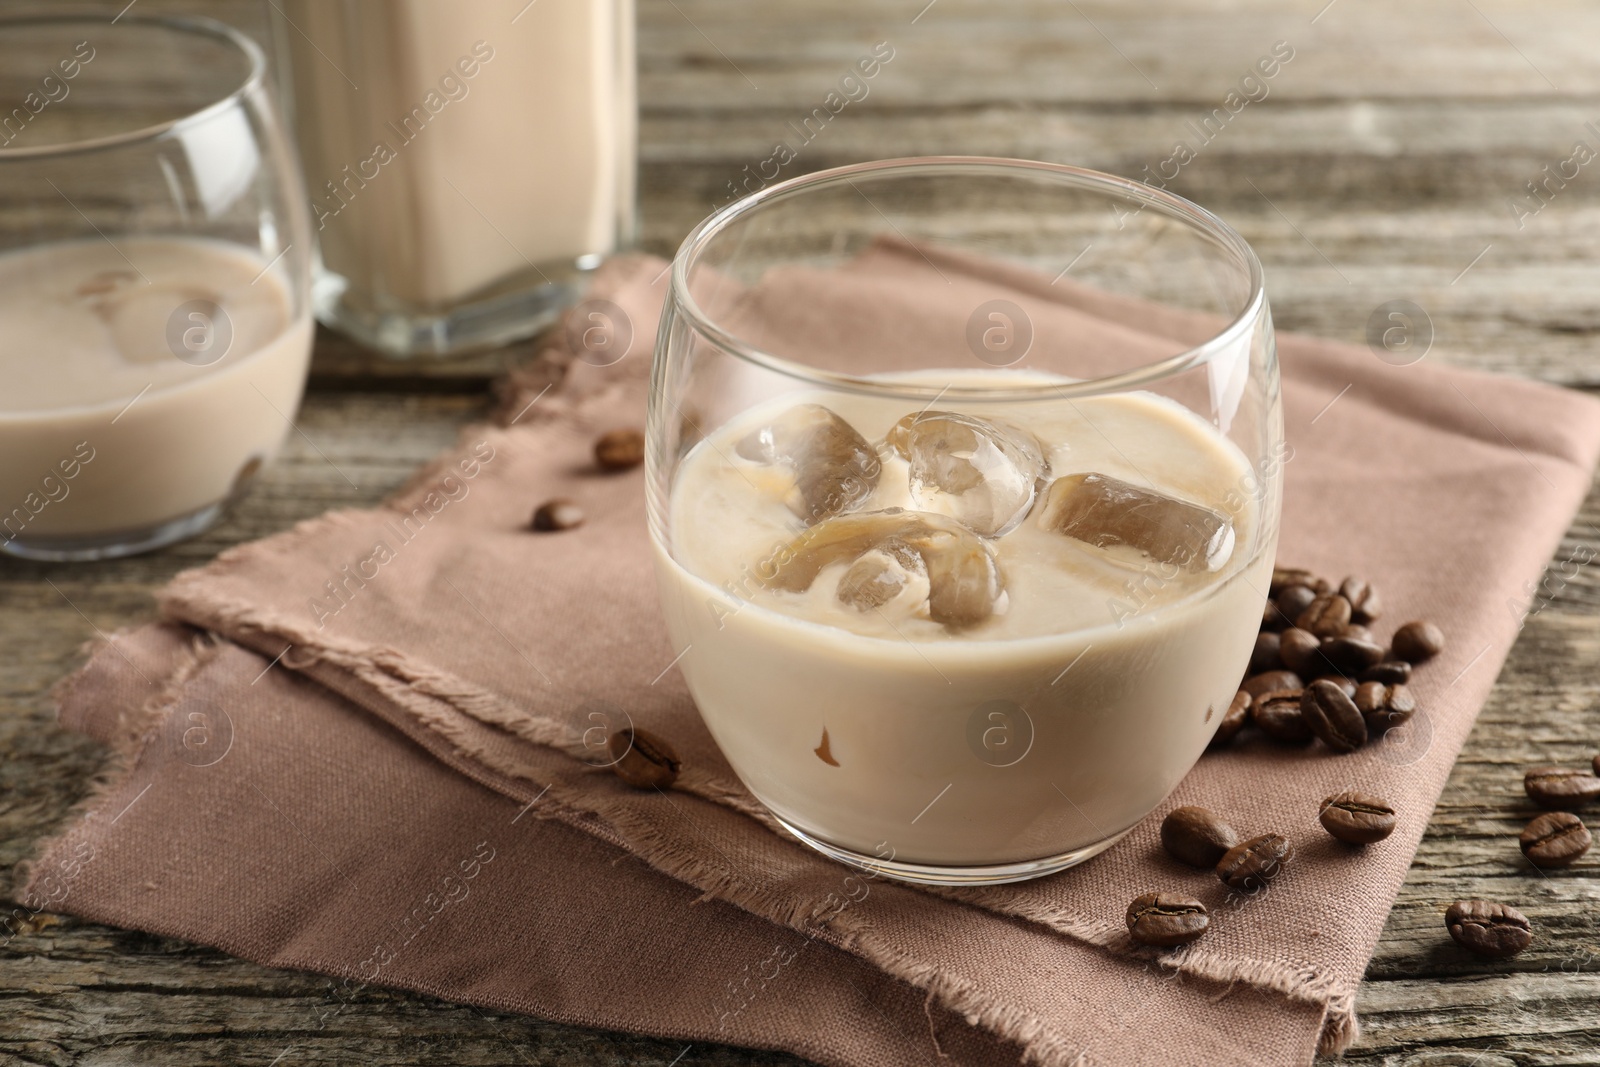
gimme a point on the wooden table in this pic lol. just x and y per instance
(1382, 166)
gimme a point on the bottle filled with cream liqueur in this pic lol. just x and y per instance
(468, 163)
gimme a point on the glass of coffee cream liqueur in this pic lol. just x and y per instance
(964, 479)
(155, 250)
(469, 162)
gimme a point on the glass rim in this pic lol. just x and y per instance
(1175, 206)
(190, 25)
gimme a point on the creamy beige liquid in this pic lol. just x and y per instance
(1102, 681)
(450, 145)
(103, 429)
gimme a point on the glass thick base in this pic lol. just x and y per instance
(510, 312)
(922, 874)
(115, 543)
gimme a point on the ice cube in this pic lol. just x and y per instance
(984, 472)
(833, 466)
(881, 575)
(1108, 513)
(964, 581)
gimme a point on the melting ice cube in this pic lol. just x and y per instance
(984, 472)
(964, 581)
(834, 467)
(882, 574)
(1107, 512)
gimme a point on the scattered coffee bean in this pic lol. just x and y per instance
(1265, 655)
(1164, 920)
(1346, 684)
(1233, 720)
(1351, 655)
(1497, 931)
(1555, 839)
(1333, 717)
(1278, 716)
(1293, 601)
(642, 759)
(1360, 633)
(1417, 641)
(1196, 836)
(1283, 577)
(1301, 652)
(1327, 616)
(619, 450)
(1560, 787)
(1389, 672)
(557, 515)
(1357, 818)
(1364, 603)
(1272, 682)
(1250, 866)
(1384, 706)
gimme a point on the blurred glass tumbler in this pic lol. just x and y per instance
(469, 163)
(999, 679)
(155, 323)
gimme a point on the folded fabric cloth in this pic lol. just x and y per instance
(366, 746)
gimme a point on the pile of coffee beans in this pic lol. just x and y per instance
(1319, 673)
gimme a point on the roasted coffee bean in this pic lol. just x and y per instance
(557, 515)
(1342, 682)
(1164, 920)
(1497, 931)
(1271, 619)
(1233, 720)
(1560, 787)
(1250, 866)
(1265, 655)
(1389, 672)
(1595, 763)
(1327, 616)
(1196, 836)
(1333, 717)
(619, 450)
(1278, 716)
(1384, 706)
(642, 759)
(1301, 652)
(1357, 818)
(1272, 682)
(1364, 603)
(1351, 655)
(1417, 641)
(1555, 839)
(1283, 577)
(1294, 600)
(1357, 632)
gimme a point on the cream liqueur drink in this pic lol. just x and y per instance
(964, 635)
(129, 399)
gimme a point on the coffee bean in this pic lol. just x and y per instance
(642, 759)
(1196, 836)
(1327, 616)
(1357, 818)
(1360, 633)
(1278, 716)
(1595, 763)
(1301, 652)
(1364, 603)
(1164, 920)
(1271, 682)
(1333, 717)
(557, 515)
(1351, 655)
(1342, 682)
(1389, 672)
(1248, 867)
(1292, 601)
(1555, 839)
(1384, 706)
(1233, 720)
(1283, 577)
(1560, 787)
(1271, 619)
(619, 450)
(1417, 641)
(1265, 655)
(1497, 931)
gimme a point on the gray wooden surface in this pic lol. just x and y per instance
(1380, 167)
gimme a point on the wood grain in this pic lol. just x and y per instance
(1380, 166)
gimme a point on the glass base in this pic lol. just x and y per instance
(923, 874)
(116, 543)
(509, 314)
